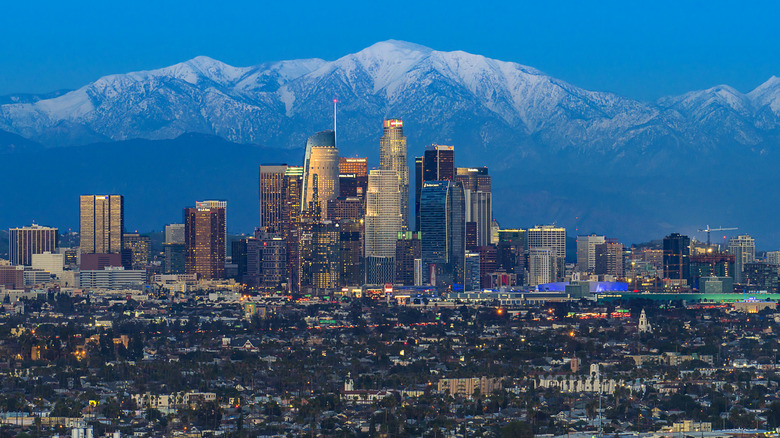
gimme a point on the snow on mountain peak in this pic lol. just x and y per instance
(767, 94)
(201, 67)
(248, 104)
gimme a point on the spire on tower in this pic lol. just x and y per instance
(335, 101)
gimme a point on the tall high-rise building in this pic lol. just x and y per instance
(354, 166)
(418, 182)
(139, 248)
(174, 253)
(392, 156)
(216, 204)
(102, 224)
(475, 179)
(174, 233)
(439, 163)
(676, 257)
(443, 228)
(436, 164)
(326, 256)
(26, 241)
(321, 171)
(266, 260)
(510, 250)
(383, 222)
(383, 213)
(174, 249)
(744, 249)
(542, 265)
(609, 258)
(407, 250)
(550, 236)
(351, 233)
(353, 177)
(586, 252)
(293, 181)
(479, 203)
(273, 196)
(488, 264)
(204, 241)
(471, 277)
(340, 209)
(479, 207)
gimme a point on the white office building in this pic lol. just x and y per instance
(744, 249)
(47, 261)
(112, 278)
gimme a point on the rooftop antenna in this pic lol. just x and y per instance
(335, 101)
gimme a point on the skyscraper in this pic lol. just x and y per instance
(586, 252)
(138, 248)
(439, 163)
(204, 241)
(174, 249)
(609, 258)
(351, 233)
(326, 252)
(553, 237)
(744, 249)
(273, 191)
(216, 204)
(436, 164)
(174, 233)
(26, 241)
(475, 179)
(676, 257)
(511, 250)
(293, 181)
(355, 166)
(392, 156)
(321, 171)
(418, 182)
(542, 265)
(102, 224)
(353, 172)
(407, 250)
(442, 224)
(383, 222)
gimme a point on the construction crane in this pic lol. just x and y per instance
(707, 230)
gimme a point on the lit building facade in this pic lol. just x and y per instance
(407, 250)
(204, 240)
(138, 247)
(676, 257)
(24, 242)
(586, 252)
(442, 224)
(273, 194)
(102, 223)
(744, 249)
(392, 156)
(551, 237)
(321, 171)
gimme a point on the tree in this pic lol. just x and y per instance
(773, 415)
(517, 429)
(209, 415)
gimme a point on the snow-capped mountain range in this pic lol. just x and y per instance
(458, 98)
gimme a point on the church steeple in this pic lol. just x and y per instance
(644, 325)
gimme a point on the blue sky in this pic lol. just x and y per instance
(643, 50)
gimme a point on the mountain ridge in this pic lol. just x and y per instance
(279, 103)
